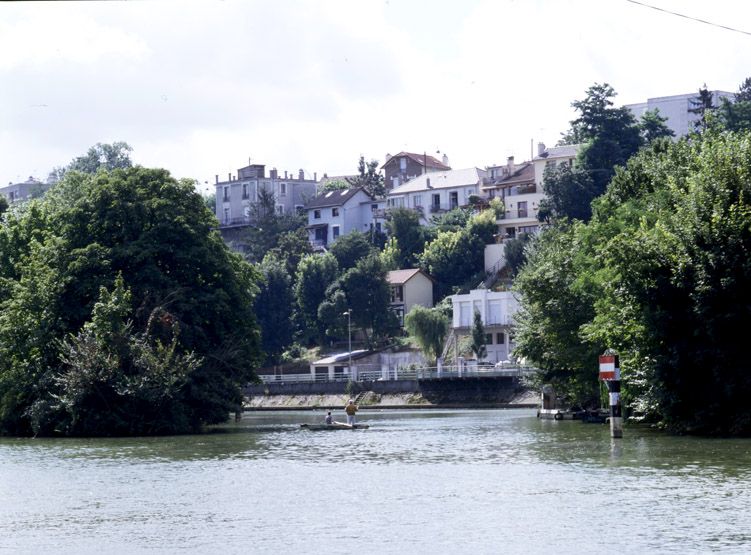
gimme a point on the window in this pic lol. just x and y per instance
(373, 207)
(465, 315)
(417, 201)
(334, 212)
(245, 190)
(453, 200)
(335, 231)
(399, 311)
(282, 189)
(226, 194)
(403, 164)
(500, 339)
(226, 215)
(316, 214)
(522, 206)
(378, 227)
(437, 200)
(528, 229)
(488, 339)
(280, 209)
(397, 294)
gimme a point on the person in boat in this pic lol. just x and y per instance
(329, 420)
(350, 409)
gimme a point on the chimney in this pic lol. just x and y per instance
(540, 149)
(301, 175)
(445, 159)
(428, 183)
(510, 164)
(272, 173)
(315, 176)
(217, 178)
(229, 176)
(386, 158)
(285, 174)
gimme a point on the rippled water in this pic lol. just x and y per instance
(415, 482)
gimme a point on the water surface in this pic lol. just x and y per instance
(495, 481)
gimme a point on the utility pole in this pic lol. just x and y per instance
(349, 337)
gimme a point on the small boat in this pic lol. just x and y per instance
(335, 426)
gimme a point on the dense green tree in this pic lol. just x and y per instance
(514, 250)
(703, 106)
(103, 156)
(3, 204)
(210, 202)
(736, 115)
(428, 327)
(478, 337)
(56, 255)
(403, 225)
(452, 220)
(315, 273)
(609, 137)
(369, 178)
(273, 306)
(653, 126)
(291, 247)
(368, 297)
(350, 248)
(334, 185)
(268, 227)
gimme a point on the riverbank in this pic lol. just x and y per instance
(409, 394)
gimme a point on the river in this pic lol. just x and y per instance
(463, 481)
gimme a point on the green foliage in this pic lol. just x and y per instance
(210, 202)
(404, 226)
(514, 251)
(334, 185)
(428, 327)
(653, 126)
(609, 137)
(478, 337)
(103, 156)
(453, 257)
(315, 273)
(369, 178)
(452, 220)
(660, 274)
(703, 106)
(736, 115)
(3, 204)
(367, 294)
(270, 230)
(273, 308)
(350, 248)
(57, 253)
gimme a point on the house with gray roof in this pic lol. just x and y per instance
(437, 192)
(25, 190)
(336, 213)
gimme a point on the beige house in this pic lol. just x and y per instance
(408, 288)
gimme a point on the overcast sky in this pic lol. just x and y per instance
(199, 88)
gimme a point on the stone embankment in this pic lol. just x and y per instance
(486, 392)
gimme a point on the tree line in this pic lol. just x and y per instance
(652, 261)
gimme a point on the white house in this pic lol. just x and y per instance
(435, 192)
(497, 310)
(408, 288)
(335, 213)
(516, 186)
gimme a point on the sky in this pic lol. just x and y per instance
(201, 88)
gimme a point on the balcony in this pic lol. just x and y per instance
(235, 222)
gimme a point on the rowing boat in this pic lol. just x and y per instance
(335, 426)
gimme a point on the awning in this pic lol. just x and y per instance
(317, 226)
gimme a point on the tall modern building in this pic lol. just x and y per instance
(677, 109)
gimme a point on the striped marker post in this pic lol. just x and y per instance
(610, 373)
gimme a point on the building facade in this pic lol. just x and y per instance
(31, 188)
(237, 197)
(497, 310)
(336, 213)
(405, 166)
(409, 288)
(677, 109)
(437, 192)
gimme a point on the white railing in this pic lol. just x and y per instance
(410, 373)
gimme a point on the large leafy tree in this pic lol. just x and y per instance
(103, 156)
(3, 205)
(653, 126)
(315, 273)
(58, 253)
(269, 228)
(404, 227)
(428, 326)
(609, 137)
(369, 178)
(350, 248)
(274, 305)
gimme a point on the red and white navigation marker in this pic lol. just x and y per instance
(610, 373)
